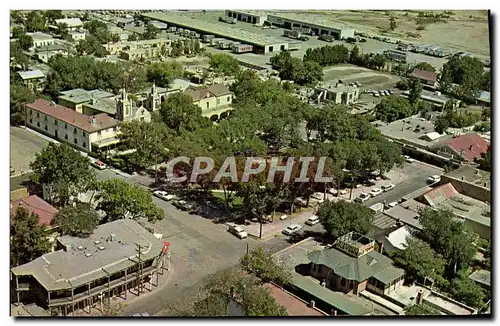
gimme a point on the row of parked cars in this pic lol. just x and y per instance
(373, 193)
(179, 203)
(382, 93)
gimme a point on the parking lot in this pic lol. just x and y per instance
(23, 148)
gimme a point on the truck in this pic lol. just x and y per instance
(242, 48)
(207, 38)
(228, 20)
(295, 35)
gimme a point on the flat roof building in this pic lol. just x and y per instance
(318, 26)
(262, 44)
(249, 16)
(106, 263)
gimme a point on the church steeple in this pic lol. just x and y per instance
(123, 106)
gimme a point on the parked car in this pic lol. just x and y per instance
(283, 217)
(182, 204)
(326, 38)
(376, 94)
(375, 192)
(98, 164)
(164, 195)
(387, 187)
(357, 83)
(434, 179)
(237, 230)
(362, 197)
(363, 40)
(408, 159)
(391, 91)
(292, 229)
(391, 205)
(313, 220)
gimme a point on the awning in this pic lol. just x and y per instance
(106, 142)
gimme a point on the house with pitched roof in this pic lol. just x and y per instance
(38, 206)
(465, 147)
(352, 265)
(86, 133)
(33, 79)
(211, 97)
(425, 77)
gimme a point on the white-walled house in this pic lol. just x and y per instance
(86, 133)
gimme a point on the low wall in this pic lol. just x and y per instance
(19, 193)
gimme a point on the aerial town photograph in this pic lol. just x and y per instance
(242, 163)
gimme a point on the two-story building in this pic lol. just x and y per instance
(45, 52)
(77, 35)
(41, 39)
(338, 93)
(33, 79)
(137, 50)
(72, 24)
(84, 272)
(211, 98)
(86, 133)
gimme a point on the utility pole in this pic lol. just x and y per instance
(139, 271)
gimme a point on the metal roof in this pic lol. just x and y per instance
(218, 29)
(31, 74)
(389, 274)
(311, 20)
(66, 269)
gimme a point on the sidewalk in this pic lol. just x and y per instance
(271, 229)
(118, 303)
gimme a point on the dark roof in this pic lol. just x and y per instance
(389, 274)
(351, 268)
(35, 204)
(470, 145)
(73, 118)
(293, 305)
(425, 75)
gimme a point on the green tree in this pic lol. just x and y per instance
(133, 37)
(65, 171)
(17, 31)
(341, 217)
(392, 23)
(485, 160)
(421, 310)
(25, 42)
(425, 66)
(148, 139)
(150, 31)
(264, 266)
(119, 200)
(91, 46)
(163, 73)
(79, 220)
(390, 155)
(355, 55)
(419, 260)
(53, 15)
(448, 237)
(224, 64)
(28, 239)
(35, 21)
(62, 30)
(100, 31)
(466, 290)
(467, 72)
(415, 91)
(179, 113)
(393, 108)
(20, 95)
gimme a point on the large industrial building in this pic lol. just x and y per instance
(318, 26)
(262, 44)
(248, 16)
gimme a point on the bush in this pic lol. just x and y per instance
(420, 27)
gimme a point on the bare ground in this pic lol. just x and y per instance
(368, 78)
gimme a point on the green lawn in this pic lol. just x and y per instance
(236, 200)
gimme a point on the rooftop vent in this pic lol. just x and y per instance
(88, 254)
(79, 247)
(112, 237)
(97, 242)
(101, 247)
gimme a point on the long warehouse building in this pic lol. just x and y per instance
(262, 44)
(318, 26)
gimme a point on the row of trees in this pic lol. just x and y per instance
(453, 117)
(296, 70)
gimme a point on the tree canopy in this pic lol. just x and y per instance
(466, 290)
(264, 266)
(296, 70)
(64, 170)
(393, 108)
(79, 220)
(119, 199)
(163, 73)
(341, 217)
(467, 72)
(179, 113)
(224, 64)
(28, 239)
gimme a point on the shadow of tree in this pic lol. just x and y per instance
(322, 237)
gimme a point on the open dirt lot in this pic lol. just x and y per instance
(466, 30)
(369, 79)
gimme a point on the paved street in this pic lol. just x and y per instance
(23, 147)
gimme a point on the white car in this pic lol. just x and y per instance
(408, 159)
(291, 229)
(362, 197)
(333, 191)
(237, 230)
(391, 205)
(313, 220)
(98, 164)
(376, 94)
(375, 192)
(318, 196)
(434, 179)
(387, 187)
(283, 217)
(164, 195)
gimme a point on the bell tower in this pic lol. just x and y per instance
(123, 106)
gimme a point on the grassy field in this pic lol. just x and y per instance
(368, 78)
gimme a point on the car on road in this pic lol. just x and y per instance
(357, 83)
(387, 187)
(98, 164)
(182, 204)
(237, 230)
(333, 191)
(375, 192)
(363, 40)
(292, 229)
(362, 197)
(434, 179)
(376, 94)
(408, 159)
(313, 220)
(163, 195)
(391, 205)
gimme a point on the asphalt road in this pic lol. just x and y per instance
(23, 147)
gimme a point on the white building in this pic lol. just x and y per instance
(33, 79)
(248, 16)
(77, 35)
(87, 133)
(41, 39)
(72, 23)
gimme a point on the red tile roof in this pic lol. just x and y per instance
(425, 75)
(73, 118)
(293, 305)
(470, 146)
(35, 204)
